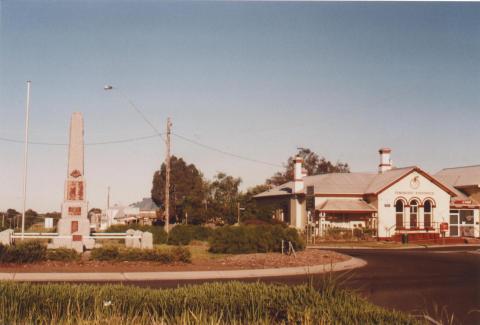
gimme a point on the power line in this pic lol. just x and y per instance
(224, 152)
(42, 143)
(144, 117)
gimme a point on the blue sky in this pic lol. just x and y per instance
(254, 79)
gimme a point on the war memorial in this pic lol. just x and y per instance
(73, 228)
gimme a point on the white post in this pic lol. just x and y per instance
(25, 158)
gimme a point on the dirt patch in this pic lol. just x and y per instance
(232, 262)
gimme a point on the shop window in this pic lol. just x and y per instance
(399, 208)
(453, 230)
(427, 214)
(466, 217)
(462, 223)
(413, 214)
(454, 219)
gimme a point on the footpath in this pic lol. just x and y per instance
(182, 275)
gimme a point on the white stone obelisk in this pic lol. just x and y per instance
(74, 227)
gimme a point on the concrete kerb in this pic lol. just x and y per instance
(419, 246)
(352, 263)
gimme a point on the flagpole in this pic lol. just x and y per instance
(27, 109)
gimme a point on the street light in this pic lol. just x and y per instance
(167, 156)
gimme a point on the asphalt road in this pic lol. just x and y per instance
(419, 280)
(415, 280)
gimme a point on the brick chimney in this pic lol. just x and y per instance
(298, 174)
(385, 160)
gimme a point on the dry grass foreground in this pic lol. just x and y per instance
(202, 260)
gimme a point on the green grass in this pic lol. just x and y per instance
(213, 303)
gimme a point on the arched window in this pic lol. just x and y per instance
(414, 214)
(399, 208)
(427, 213)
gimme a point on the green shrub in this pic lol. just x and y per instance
(338, 233)
(182, 254)
(263, 222)
(28, 251)
(62, 254)
(162, 255)
(253, 239)
(211, 303)
(184, 234)
(106, 253)
(358, 233)
(159, 234)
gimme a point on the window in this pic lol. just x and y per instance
(399, 214)
(413, 214)
(466, 216)
(427, 214)
(461, 223)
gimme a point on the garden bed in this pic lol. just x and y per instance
(201, 261)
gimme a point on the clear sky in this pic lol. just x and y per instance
(254, 79)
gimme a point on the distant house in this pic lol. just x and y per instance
(147, 211)
(391, 202)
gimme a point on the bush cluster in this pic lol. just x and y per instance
(159, 234)
(62, 254)
(338, 233)
(253, 239)
(27, 251)
(170, 255)
(31, 251)
(213, 303)
(184, 234)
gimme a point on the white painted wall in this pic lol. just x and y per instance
(404, 188)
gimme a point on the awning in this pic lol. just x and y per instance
(345, 206)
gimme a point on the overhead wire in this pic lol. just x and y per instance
(86, 144)
(157, 134)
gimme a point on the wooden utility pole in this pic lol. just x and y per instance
(167, 177)
(238, 213)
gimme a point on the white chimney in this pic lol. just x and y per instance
(298, 174)
(385, 160)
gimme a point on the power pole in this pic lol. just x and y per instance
(167, 177)
(238, 213)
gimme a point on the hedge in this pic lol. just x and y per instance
(162, 255)
(184, 234)
(253, 239)
(159, 234)
(28, 251)
(31, 251)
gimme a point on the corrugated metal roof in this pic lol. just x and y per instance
(385, 179)
(351, 183)
(284, 189)
(340, 183)
(346, 206)
(460, 176)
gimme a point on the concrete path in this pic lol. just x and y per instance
(199, 275)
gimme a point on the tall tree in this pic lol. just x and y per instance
(224, 197)
(187, 191)
(312, 162)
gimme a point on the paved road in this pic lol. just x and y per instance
(417, 280)
(408, 280)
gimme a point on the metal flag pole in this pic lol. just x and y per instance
(27, 109)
